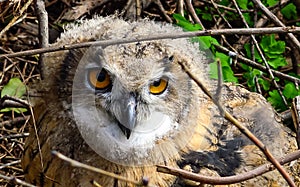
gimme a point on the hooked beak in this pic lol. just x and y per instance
(127, 115)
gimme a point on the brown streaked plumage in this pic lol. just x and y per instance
(126, 108)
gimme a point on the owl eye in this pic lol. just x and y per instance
(158, 87)
(99, 79)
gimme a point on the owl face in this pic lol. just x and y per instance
(132, 103)
(125, 104)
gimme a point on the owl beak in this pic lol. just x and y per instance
(127, 121)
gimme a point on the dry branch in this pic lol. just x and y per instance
(14, 20)
(77, 164)
(14, 180)
(256, 65)
(227, 180)
(104, 43)
(42, 16)
(274, 18)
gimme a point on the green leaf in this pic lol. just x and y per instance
(290, 91)
(205, 42)
(277, 62)
(273, 49)
(248, 19)
(272, 2)
(185, 24)
(228, 75)
(225, 2)
(227, 72)
(250, 76)
(276, 100)
(289, 11)
(265, 84)
(14, 88)
(17, 110)
(256, 54)
(266, 41)
(205, 15)
(243, 4)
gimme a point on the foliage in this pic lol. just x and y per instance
(289, 11)
(206, 43)
(271, 46)
(14, 88)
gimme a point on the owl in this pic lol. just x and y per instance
(126, 108)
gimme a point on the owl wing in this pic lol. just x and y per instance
(234, 153)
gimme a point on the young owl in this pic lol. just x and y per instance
(126, 108)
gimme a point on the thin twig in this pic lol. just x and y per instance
(163, 11)
(14, 19)
(274, 18)
(14, 121)
(180, 9)
(42, 16)
(15, 180)
(193, 13)
(227, 180)
(156, 37)
(10, 164)
(37, 138)
(77, 164)
(23, 135)
(261, 54)
(256, 65)
(218, 93)
(242, 128)
(8, 101)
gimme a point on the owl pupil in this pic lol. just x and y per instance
(156, 83)
(101, 76)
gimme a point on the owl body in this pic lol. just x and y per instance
(126, 108)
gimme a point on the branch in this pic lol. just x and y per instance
(42, 16)
(104, 43)
(14, 19)
(77, 164)
(15, 180)
(227, 180)
(256, 65)
(273, 17)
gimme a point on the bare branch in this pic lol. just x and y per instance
(227, 180)
(77, 164)
(42, 16)
(13, 21)
(261, 54)
(15, 180)
(256, 65)
(271, 16)
(157, 37)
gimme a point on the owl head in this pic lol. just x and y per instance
(132, 103)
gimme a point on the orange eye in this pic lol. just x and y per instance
(99, 79)
(158, 87)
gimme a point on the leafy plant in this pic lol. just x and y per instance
(206, 43)
(14, 88)
(273, 50)
(289, 11)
